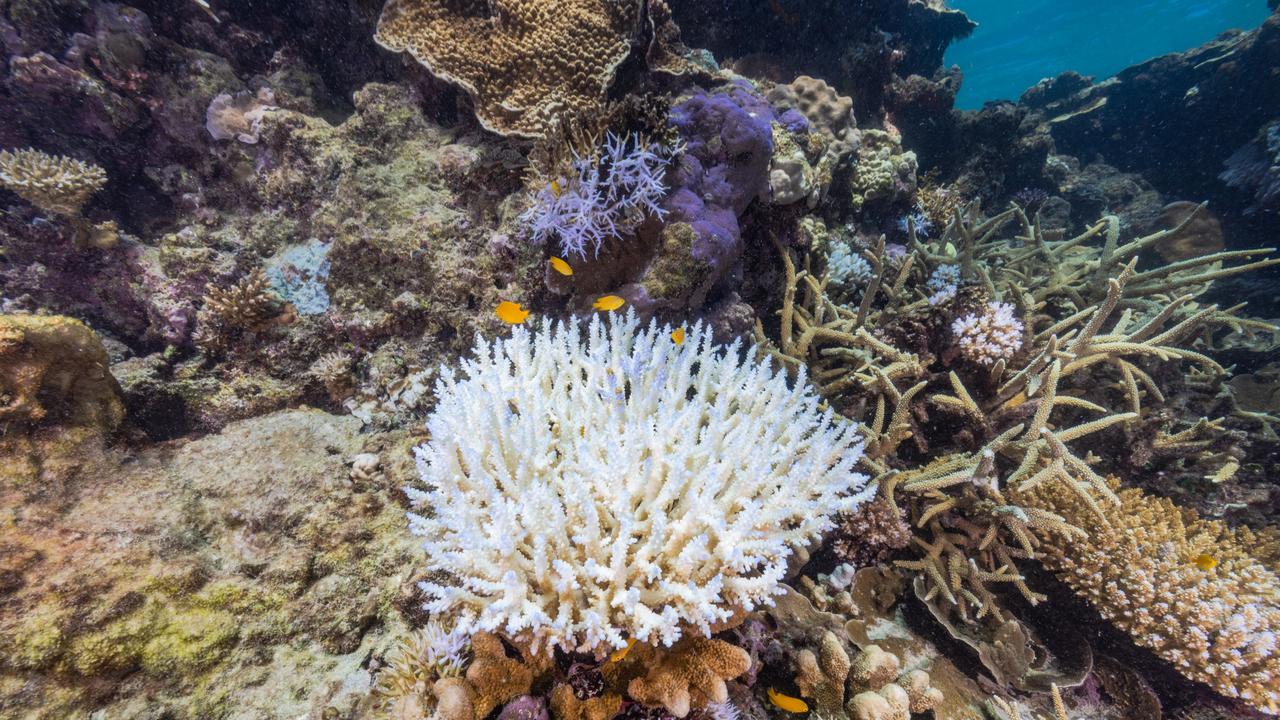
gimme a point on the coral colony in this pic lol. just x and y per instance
(629, 360)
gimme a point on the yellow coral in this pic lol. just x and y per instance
(525, 63)
(1215, 623)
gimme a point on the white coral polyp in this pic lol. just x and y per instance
(584, 490)
(990, 336)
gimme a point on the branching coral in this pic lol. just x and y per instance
(1188, 588)
(587, 490)
(691, 674)
(58, 185)
(227, 311)
(603, 196)
(876, 691)
(525, 63)
(962, 445)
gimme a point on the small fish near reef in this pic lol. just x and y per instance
(511, 313)
(620, 655)
(1205, 561)
(677, 336)
(608, 303)
(786, 703)
(560, 266)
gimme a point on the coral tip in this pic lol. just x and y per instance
(787, 703)
(511, 313)
(560, 266)
(608, 303)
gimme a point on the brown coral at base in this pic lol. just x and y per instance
(691, 674)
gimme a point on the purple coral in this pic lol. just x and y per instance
(606, 196)
(728, 138)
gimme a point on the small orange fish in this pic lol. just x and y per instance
(677, 336)
(560, 266)
(608, 303)
(787, 703)
(511, 313)
(555, 188)
(618, 655)
(1205, 562)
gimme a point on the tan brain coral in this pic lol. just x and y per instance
(55, 369)
(525, 63)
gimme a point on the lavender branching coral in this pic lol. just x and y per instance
(602, 196)
(587, 490)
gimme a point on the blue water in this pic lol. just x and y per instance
(1019, 42)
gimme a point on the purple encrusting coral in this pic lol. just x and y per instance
(728, 138)
(606, 197)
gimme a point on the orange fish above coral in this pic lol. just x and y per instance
(786, 702)
(608, 303)
(678, 336)
(511, 313)
(560, 266)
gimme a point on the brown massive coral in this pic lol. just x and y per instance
(525, 63)
(55, 368)
(1188, 588)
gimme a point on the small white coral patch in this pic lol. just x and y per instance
(587, 489)
(992, 335)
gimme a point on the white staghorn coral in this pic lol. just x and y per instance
(584, 490)
(995, 334)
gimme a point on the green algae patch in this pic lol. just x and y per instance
(37, 640)
(116, 647)
(192, 641)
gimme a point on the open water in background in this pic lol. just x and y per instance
(1018, 42)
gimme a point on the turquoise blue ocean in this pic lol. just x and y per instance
(1018, 43)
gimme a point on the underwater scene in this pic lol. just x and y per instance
(639, 360)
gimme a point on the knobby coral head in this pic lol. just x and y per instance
(586, 488)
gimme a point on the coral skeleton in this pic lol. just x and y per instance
(584, 489)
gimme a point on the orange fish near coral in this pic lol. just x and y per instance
(511, 313)
(677, 336)
(619, 655)
(560, 266)
(608, 303)
(786, 702)
(1205, 562)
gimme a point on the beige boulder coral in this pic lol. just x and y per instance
(54, 368)
(525, 63)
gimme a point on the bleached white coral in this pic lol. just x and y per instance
(943, 283)
(991, 335)
(846, 268)
(584, 489)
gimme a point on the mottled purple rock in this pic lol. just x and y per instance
(525, 707)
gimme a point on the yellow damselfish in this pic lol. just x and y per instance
(786, 702)
(1205, 562)
(608, 302)
(678, 336)
(560, 266)
(618, 655)
(511, 313)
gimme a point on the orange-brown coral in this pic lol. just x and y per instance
(226, 311)
(690, 674)
(55, 368)
(495, 677)
(566, 706)
(1180, 585)
(525, 63)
